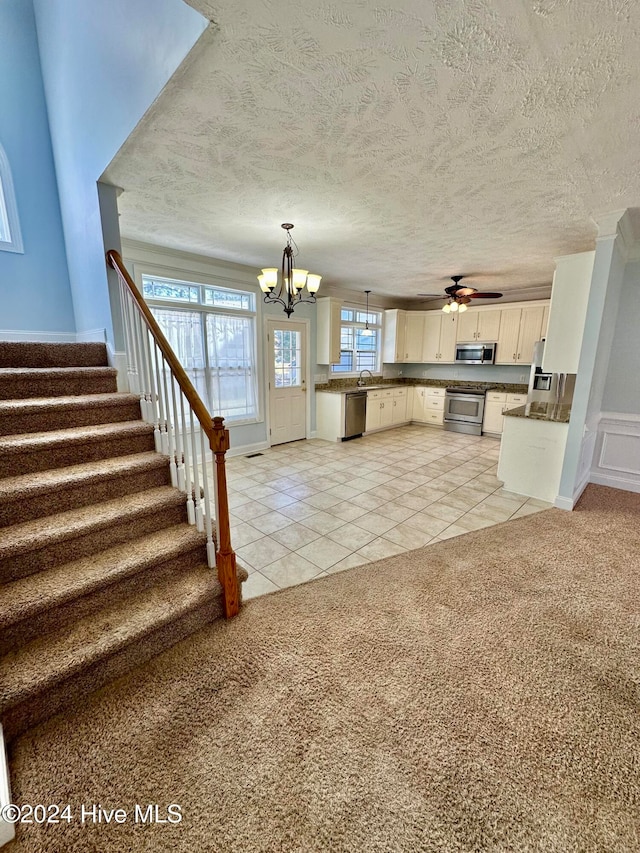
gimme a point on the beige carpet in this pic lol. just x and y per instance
(476, 695)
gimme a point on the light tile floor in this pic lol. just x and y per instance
(302, 510)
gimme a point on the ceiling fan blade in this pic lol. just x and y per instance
(484, 295)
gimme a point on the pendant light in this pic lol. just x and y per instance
(367, 332)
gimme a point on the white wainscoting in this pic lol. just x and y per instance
(616, 460)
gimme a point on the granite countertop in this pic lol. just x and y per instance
(343, 386)
(551, 412)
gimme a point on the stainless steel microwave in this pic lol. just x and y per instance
(475, 353)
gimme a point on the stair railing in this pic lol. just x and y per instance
(182, 427)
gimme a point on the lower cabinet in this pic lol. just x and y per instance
(495, 404)
(386, 408)
(428, 405)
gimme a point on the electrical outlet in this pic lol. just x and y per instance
(456, 373)
(523, 377)
(425, 373)
(399, 373)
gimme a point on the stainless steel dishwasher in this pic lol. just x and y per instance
(355, 414)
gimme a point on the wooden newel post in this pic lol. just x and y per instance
(225, 555)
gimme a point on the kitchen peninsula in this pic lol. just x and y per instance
(534, 438)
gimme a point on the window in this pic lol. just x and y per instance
(359, 347)
(10, 237)
(212, 331)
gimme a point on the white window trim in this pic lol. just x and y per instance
(185, 277)
(351, 306)
(14, 244)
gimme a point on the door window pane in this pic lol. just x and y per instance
(287, 355)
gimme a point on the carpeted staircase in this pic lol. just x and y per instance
(99, 570)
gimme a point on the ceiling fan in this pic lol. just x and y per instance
(459, 296)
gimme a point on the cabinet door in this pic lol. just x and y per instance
(373, 412)
(530, 329)
(431, 343)
(414, 336)
(386, 412)
(328, 330)
(467, 326)
(488, 325)
(419, 405)
(493, 417)
(545, 322)
(507, 350)
(393, 346)
(448, 330)
(399, 409)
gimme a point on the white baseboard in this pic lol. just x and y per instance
(245, 449)
(92, 336)
(7, 830)
(17, 336)
(569, 503)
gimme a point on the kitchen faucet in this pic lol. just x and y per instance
(360, 381)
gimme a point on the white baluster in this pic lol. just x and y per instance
(211, 545)
(177, 436)
(162, 421)
(140, 326)
(153, 392)
(170, 431)
(196, 477)
(126, 322)
(186, 449)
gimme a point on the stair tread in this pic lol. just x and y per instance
(55, 657)
(33, 441)
(61, 372)
(25, 597)
(22, 538)
(24, 486)
(79, 401)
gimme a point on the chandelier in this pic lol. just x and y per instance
(291, 290)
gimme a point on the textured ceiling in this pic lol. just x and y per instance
(407, 142)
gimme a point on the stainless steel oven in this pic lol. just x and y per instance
(464, 410)
(475, 353)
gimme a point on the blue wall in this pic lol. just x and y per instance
(103, 65)
(34, 286)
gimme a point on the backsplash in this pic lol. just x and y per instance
(493, 373)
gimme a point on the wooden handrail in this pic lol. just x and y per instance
(215, 431)
(200, 410)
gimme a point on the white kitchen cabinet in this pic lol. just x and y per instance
(380, 409)
(475, 325)
(520, 328)
(393, 345)
(545, 322)
(494, 404)
(328, 330)
(439, 338)
(414, 336)
(428, 405)
(399, 406)
(497, 402)
(568, 311)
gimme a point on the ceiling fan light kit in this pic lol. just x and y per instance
(294, 280)
(459, 296)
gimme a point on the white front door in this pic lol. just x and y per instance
(287, 343)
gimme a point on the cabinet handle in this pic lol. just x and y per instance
(514, 356)
(518, 355)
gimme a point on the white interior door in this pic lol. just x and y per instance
(287, 350)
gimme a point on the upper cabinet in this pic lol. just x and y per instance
(478, 326)
(439, 338)
(520, 328)
(430, 337)
(393, 345)
(328, 330)
(569, 298)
